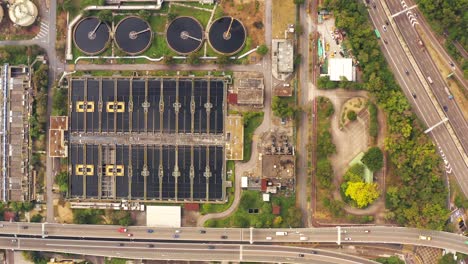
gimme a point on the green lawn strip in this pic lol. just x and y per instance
(251, 122)
(201, 15)
(264, 218)
(158, 23)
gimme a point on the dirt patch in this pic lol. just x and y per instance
(283, 14)
(61, 34)
(248, 12)
(9, 32)
(64, 213)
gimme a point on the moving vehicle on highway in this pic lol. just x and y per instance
(428, 238)
(149, 231)
(384, 28)
(303, 238)
(377, 33)
(406, 71)
(268, 238)
(129, 234)
(301, 255)
(429, 80)
(450, 96)
(281, 233)
(224, 237)
(202, 231)
(347, 238)
(150, 245)
(366, 231)
(122, 230)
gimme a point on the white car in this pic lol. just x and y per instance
(347, 238)
(385, 28)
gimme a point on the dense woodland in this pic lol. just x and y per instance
(417, 196)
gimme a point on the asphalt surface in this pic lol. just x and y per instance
(410, 84)
(183, 251)
(428, 68)
(373, 234)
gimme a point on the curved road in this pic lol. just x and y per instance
(183, 251)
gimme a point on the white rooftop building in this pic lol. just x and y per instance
(341, 67)
(163, 216)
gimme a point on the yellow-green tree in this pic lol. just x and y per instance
(362, 193)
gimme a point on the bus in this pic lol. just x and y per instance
(377, 33)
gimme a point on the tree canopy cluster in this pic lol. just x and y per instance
(325, 146)
(282, 107)
(419, 200)
(355, 191)
(373, 159)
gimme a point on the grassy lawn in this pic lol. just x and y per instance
(200, 15)
(216, 208)
(264, 217)
(284, 13)
(158, 23)
(252, 120)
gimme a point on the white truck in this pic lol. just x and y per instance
(281, 233)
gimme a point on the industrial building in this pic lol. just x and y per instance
(147, 139)
(15, 184)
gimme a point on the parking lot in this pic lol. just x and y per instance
(147, 139)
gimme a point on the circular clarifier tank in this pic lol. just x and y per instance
(133, 35)
(184, 35)
(227, 35)
(91, 35)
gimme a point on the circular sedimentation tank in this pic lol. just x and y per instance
(91, 35)
(184, 35)
(23, 13)
(133, 35)
(227, 35)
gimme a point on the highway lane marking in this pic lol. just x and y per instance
(159, 248)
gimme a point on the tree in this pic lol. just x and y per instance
(68, 6)
(352, 116)
(390, 260)
(299, 2)
(37, 218)
(223, 60)
(277, 221)
(171, 16)
(258, 24)
(262, 50)
(126, 220)
(61, 179)
(144, 14)
(324, 173)
(193, 59)
(355, 173)
(362, 193)
(373, 159)
(105, 16)
(168, 60)
(281, 107)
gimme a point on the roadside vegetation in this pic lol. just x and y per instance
(251, 121)
(448, 18)
(99, 216)
(325, 146)
(284, 107)
(390, 260)
(416, 196)
(290, 215)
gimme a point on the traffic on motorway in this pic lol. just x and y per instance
(119, 234)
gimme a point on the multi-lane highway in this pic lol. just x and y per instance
(183, 251)
(417, 94)
(374, 234)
